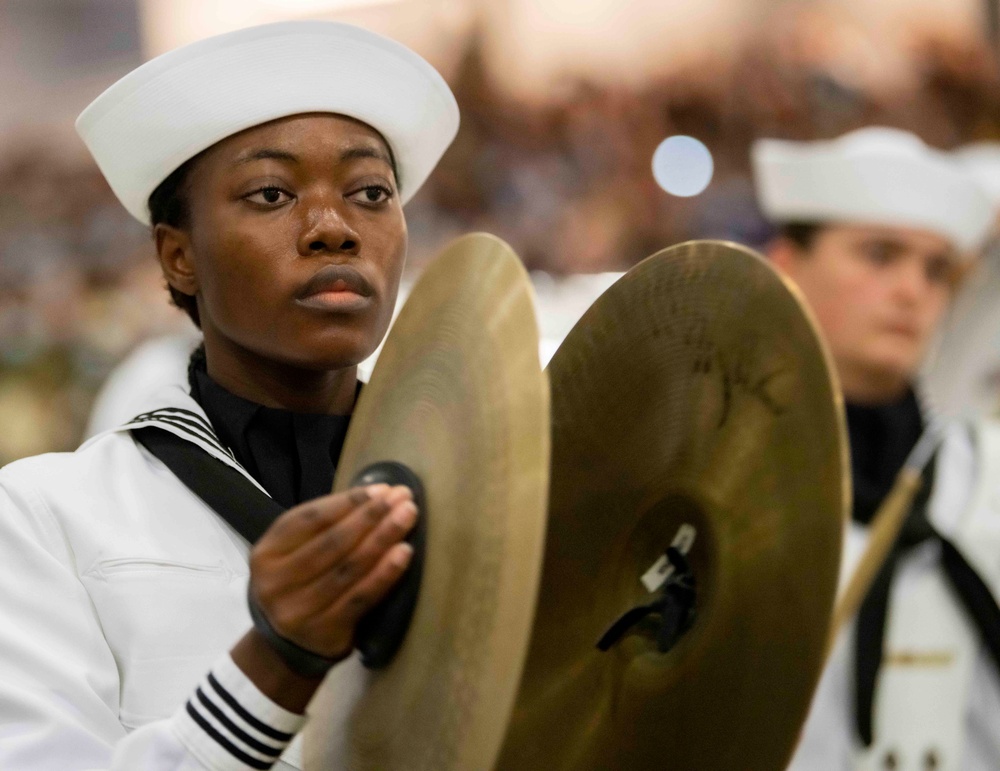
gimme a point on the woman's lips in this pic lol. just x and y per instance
(341, 302)
(337, 288)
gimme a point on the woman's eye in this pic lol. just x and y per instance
(268, 196)
(372, 194)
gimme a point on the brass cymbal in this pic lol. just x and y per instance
(459, 397)
(695, 391)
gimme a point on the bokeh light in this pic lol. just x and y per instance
(682, 166)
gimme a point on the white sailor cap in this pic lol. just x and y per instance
(877, 176)
(982, 160)
(171, 108)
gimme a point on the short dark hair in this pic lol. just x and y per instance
(802, 234)
(169, 204)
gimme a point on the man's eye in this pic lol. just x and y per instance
(268, 196)
(940, 272)
(372, 194)
(878, 253)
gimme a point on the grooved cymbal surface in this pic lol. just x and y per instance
(458, 396)
(696, 391)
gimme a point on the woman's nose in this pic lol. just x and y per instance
(327, 230)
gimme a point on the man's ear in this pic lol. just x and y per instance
(173, 248)
(785, 255)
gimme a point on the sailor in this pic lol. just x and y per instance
(876, 229)
(272, 164)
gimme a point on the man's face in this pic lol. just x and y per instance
(297, 240)
(878, 294)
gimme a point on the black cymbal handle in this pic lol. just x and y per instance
(381, 632)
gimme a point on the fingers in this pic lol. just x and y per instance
(324, 564)
(301, 523)
(330, 548)
(338, 575)
(370, 590)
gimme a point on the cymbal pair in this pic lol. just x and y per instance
(635, 574)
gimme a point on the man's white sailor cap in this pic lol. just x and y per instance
(982, 160)
(876, 176)
(171, 108)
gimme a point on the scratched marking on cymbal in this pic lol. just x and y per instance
(739, 374)
(740, 379)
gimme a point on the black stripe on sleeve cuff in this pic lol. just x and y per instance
(227, 745)
(240, 710)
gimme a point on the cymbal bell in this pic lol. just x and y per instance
(459, 398)
(695, 393)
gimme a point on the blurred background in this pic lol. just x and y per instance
(563, 103)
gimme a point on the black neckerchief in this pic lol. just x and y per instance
(292, 455)
(881, 439)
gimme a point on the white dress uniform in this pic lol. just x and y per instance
(120, 590)
(937, 705)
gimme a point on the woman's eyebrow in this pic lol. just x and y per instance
(366, 151)
(266, 153)
(349, 154)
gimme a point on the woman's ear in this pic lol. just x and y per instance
(173, 248)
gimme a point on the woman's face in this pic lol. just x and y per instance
(296, 242)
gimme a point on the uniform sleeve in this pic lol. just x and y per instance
(59, 684)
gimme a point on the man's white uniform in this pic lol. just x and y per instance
(937, 703)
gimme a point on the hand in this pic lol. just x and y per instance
(323, 564)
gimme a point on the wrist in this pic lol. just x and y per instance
(303, 662)
(272, 675)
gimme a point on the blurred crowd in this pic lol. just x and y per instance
(566, 181)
